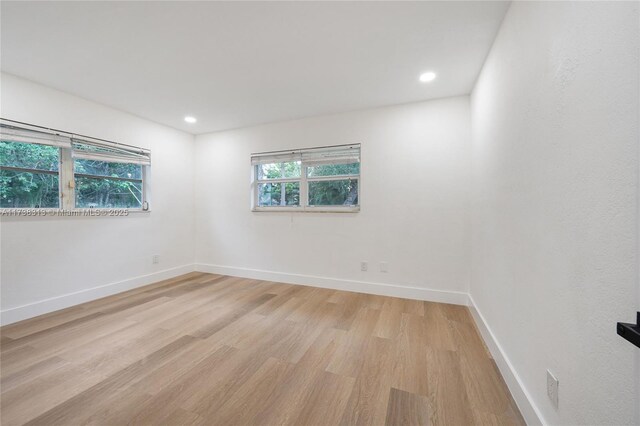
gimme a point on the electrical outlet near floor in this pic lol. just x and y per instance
(552, 388)
(155, 259)
(364, 266)
(384, 266)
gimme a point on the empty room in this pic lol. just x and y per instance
(319, 213)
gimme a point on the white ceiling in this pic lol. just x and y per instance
(238, 64)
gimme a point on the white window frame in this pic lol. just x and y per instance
(64, 141)
(304, 179)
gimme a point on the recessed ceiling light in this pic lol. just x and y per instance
(190, 119)
(427, 76)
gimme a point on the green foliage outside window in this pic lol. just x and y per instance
(20, 188)
(107, 185)
(333, 192)
(333, 170)
(107, 193)
(270, 194)
(279, 170)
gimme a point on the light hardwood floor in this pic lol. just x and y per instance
(211, 349)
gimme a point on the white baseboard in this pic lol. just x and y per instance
(40, 307)
(521, 396)
(408, 292)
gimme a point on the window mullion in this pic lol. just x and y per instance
(333, 177)
(146, 187)
(304, 190)
(30, 170)
(274, 181)
(67, 180)
(256, 187)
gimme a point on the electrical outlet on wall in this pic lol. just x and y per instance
(155, 259)
(552, 388)
(384, 266)
(364, 266)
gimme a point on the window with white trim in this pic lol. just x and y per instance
(45, 168)
(314, 179)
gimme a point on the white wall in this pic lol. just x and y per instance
(532, 207)
(414, 212)
(555, 165)
(44, 258)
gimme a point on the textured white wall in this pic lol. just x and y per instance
(555, 184)
(414, 192)
(45, 258)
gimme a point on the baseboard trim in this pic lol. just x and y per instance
(41, 307)
(521, 396)
(408, 292)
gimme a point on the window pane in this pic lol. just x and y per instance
(270, 194)
(29, 156)
(342, 192)
(103, 168)
(333, 169)
(28, 190)
(279, 170)
(107, 193)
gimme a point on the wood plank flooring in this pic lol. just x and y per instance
(218, 350)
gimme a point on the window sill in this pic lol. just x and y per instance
(307, 209)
